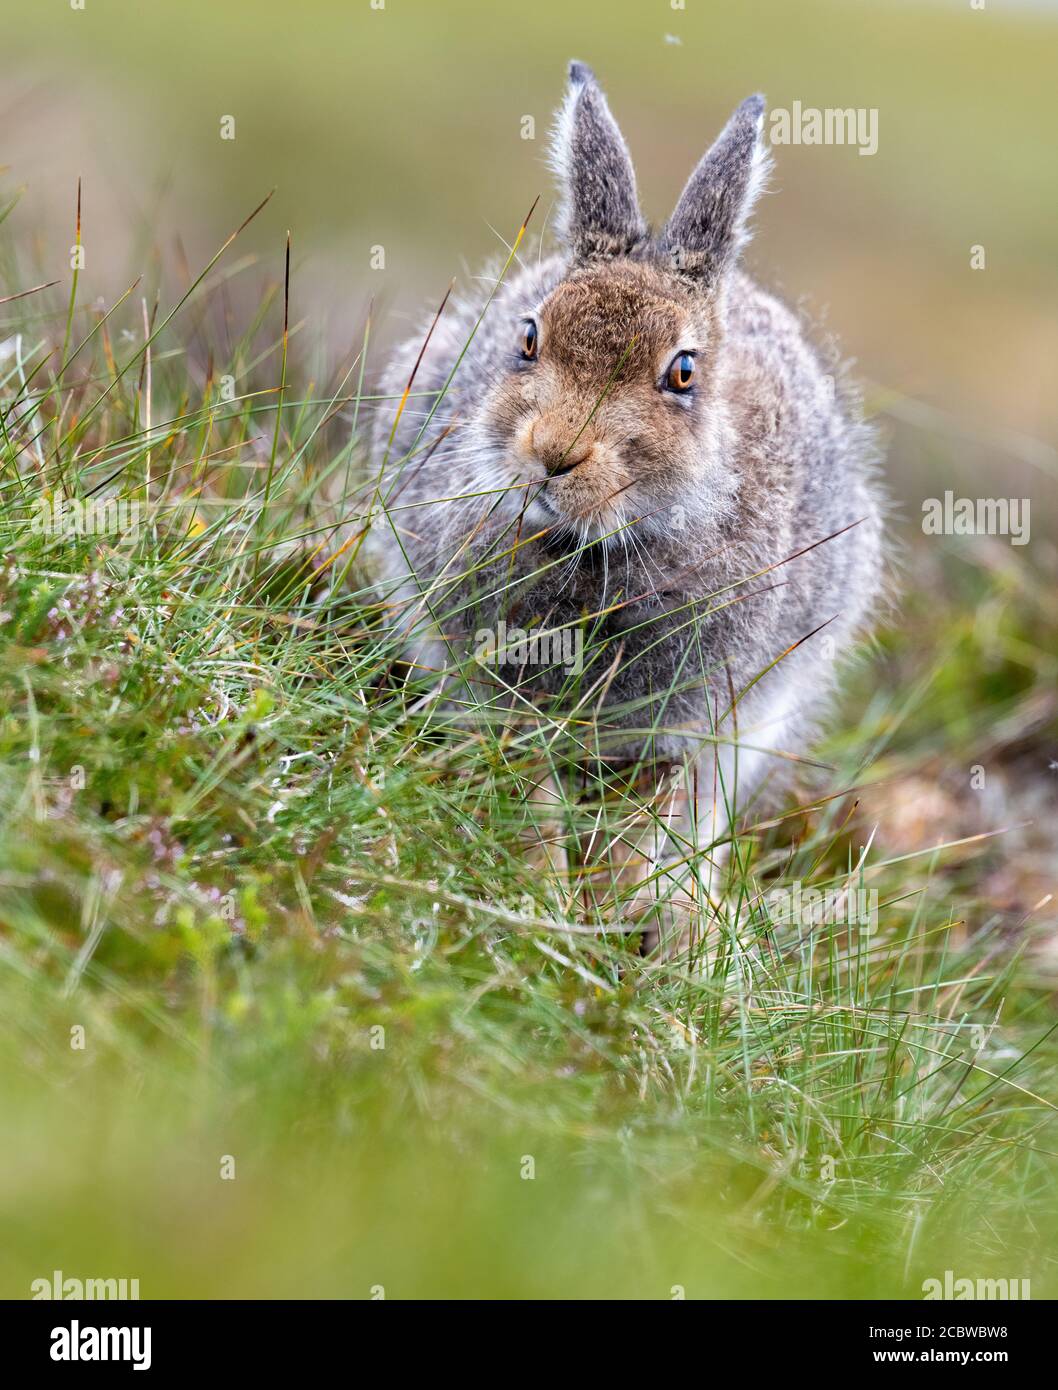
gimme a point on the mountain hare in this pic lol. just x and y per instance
(628, 501)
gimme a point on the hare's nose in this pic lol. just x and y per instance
(558, 450)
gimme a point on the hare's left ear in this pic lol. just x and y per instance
(708, 228)
(599, 214)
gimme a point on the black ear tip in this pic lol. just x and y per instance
(580, 74)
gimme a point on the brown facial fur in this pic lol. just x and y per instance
(591, 414)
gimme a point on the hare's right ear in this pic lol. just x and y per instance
(709, 226)
(599, 214)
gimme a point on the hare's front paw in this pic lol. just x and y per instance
(674, 906)
(544, 840)
(680, 924)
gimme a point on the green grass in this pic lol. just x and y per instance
(286, 898)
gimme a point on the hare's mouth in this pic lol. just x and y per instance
(557, 532)
(564, 531)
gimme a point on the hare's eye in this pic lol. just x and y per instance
(529, 340)
(681, 372)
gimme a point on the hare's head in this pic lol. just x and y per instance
(609, 407)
